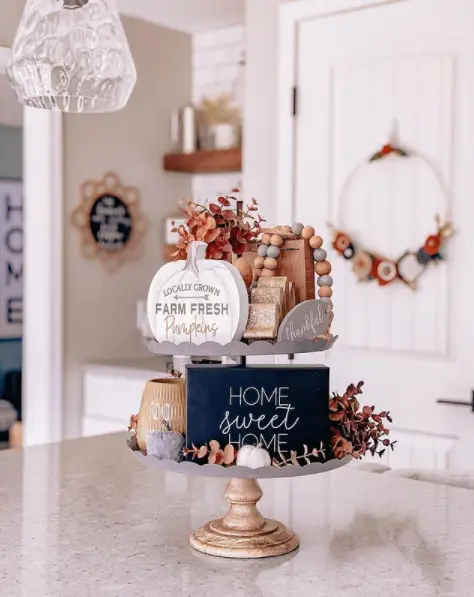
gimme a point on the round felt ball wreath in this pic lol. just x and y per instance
(370, 266)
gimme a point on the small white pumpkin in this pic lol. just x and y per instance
(198, 300)
(253, 457)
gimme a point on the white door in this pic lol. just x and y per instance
(359, 66)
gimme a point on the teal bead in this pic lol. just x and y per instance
(273, 252)
(297, 228)
(325, 281)
(319, 255)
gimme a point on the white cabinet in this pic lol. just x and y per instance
(112, 392)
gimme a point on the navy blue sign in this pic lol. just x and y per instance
(279, 408)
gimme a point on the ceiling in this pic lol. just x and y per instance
(186, 15)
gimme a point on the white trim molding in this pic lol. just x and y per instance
(43, 277)
(43, 361)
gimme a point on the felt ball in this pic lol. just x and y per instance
(316, 242)
(270, 263)
(325, 281)
(276, 240)
(422, 257)
(328, 301)
(262, 250)
(319, 255)
(266, 238)
(297, 229)
(286, 229)
(273, 252)
(268, 273)
(322, 268)
(258, 263)
(308, 232)
(256, 274)
(349, 252)
(325, 292)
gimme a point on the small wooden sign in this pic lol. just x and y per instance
(306, 321)
(296, 263)
(279, 408)
(110, 221)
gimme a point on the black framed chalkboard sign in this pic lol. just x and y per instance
(110, 221)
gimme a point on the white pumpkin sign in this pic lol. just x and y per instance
(198, 300)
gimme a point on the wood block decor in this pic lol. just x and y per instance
(296, 262)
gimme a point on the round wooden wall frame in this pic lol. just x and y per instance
(110, 222)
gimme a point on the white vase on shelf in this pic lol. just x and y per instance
(224, 136)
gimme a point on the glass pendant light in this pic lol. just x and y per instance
(73, 56)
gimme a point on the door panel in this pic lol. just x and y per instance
(357, 73)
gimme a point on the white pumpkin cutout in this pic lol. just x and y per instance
(198, 300)
(253, 457)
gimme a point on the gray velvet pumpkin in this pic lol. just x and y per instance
(165, 445)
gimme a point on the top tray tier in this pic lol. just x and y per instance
(240, 349)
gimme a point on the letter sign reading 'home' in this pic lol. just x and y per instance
(11, 259)
(278, 408)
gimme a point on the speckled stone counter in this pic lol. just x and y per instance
(85, 519)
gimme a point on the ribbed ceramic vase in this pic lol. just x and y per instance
(163, 399)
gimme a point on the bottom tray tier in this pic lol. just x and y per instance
(241, 472)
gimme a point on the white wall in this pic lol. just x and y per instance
(10, 13)
(216, 65)
(100, 308)
(11, 151)
(11, 112)
(260, 110)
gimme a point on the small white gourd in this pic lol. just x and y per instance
(253, 457)
(198, 300)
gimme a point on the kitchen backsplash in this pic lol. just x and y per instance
(216, 62)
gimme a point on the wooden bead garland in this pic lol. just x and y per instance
(325, 292)
(316, 242)
(269, 251)
(270, 263)
(276, 240)
(322, 268)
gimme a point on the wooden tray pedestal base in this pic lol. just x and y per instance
(243, 532)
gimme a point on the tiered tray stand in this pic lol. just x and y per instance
(243, 532)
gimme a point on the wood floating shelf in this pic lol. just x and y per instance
(205, 162)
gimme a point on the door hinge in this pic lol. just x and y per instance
(295, 101)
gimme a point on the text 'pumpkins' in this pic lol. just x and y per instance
(198, 300)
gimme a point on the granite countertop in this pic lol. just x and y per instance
(85, 519)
